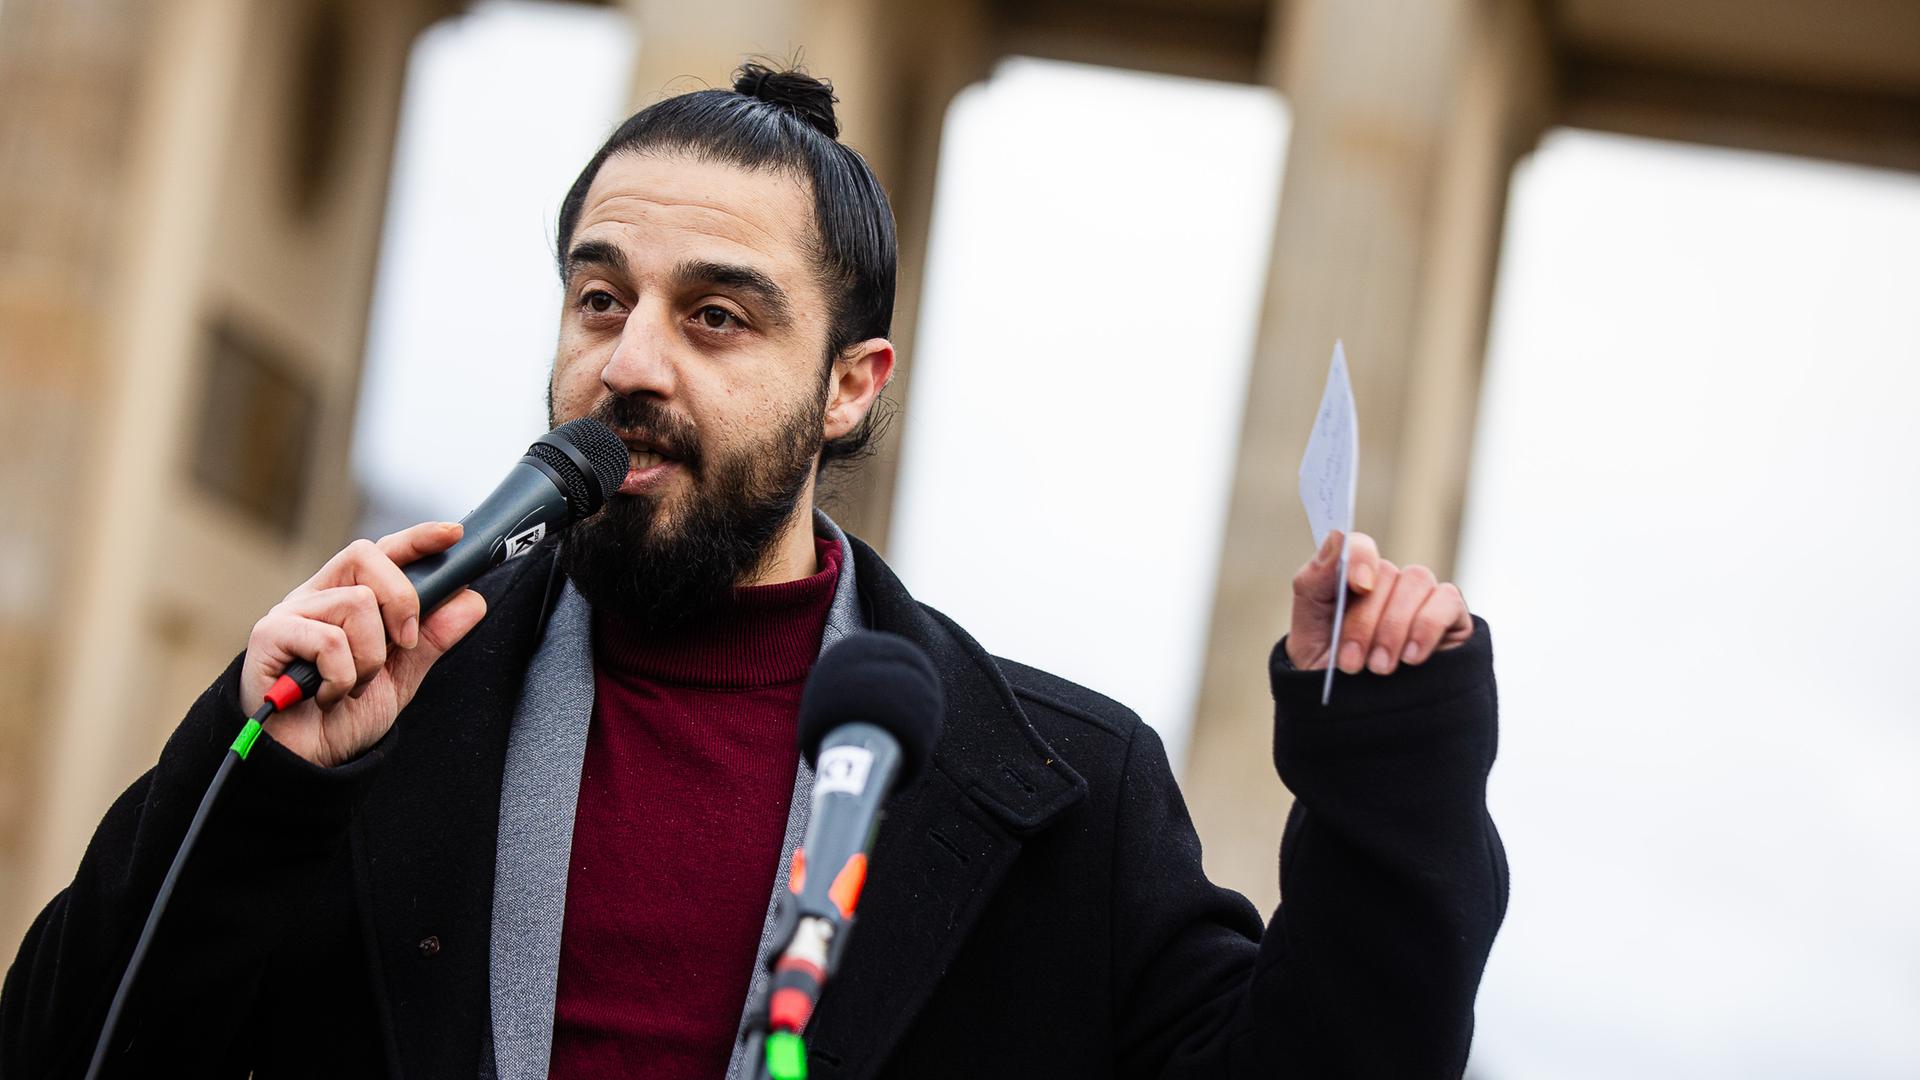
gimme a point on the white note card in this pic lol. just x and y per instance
(1328, 473)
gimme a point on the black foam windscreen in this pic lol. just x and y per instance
(605, 455)
(879, 679)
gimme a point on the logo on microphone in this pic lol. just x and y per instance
(843, 768)
(522, 543)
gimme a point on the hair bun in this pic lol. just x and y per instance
(805, 96)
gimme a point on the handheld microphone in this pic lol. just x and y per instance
(566, 475)
(868, 720)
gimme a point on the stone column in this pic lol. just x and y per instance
(921, 56)
(1407, 119)
(246, 205)
(69, 77)
(895, 69)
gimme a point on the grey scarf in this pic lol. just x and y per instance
(537, 794)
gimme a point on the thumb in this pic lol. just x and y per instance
(1319, 579)
(441, 631)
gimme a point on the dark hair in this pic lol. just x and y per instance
(782, 120)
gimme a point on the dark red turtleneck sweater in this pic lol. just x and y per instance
(683, 807)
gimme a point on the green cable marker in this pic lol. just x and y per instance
(786, 1056)
(243, 742)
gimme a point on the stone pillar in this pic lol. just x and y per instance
(69, 77)
(895, 69)
(694, 46)
(921, 56)
(247, 207)
(1407, 119)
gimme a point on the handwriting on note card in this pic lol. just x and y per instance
(1329, 472)
(1331, 463)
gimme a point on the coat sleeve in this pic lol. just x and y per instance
(278, 827)
(1393, 883)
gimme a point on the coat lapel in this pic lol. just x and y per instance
(946, 841)
(423, 843)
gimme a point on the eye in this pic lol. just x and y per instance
(600, 302)
(715, 317)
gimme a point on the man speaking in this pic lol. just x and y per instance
(536, 831)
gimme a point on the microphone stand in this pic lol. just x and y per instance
(777, 1055)
(770, 1054)
(858, 750)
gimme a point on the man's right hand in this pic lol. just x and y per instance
(343, 619)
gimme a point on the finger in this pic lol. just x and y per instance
(426, 538)
(1363, 562)
(1430, 624)
(325, 644)
(442, 630)
(283, 636)
(356, 610)
(349, 565)
(1410, 591)
(364, 562)
(1461, 628)
(399, 604)
(337, 571)
(1319, 579)
(1363, 615)
(265, 659)
(401, 548)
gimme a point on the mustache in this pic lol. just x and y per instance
(646, 420)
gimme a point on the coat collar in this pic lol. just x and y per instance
(424, 843)
(987, 747)
(946, 842)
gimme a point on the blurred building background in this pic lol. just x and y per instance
(1628, 287)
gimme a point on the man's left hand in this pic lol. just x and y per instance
(1395, 615)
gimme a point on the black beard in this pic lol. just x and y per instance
(662, 575)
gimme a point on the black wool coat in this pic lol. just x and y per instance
(1036, 906)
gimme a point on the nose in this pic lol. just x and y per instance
(642, 363)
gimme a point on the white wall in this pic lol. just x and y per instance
(1690, 524)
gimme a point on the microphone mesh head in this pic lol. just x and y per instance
(879, 679)
(606, 455)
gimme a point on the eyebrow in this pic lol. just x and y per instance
(771, 298)
(594, 253)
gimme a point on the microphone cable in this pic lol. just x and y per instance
(285, 691)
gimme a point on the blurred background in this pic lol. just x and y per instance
(1629, 289)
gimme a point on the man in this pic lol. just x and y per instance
(546, 842)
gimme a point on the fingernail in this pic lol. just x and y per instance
(1361, 576)
(1412, 653)
(1327, 547)
(410, 632)
(1380, 663)
(1350, 658)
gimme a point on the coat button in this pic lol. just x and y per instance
(429, 946)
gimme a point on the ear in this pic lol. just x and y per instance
(859, 374)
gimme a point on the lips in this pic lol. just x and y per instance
(647, 468)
